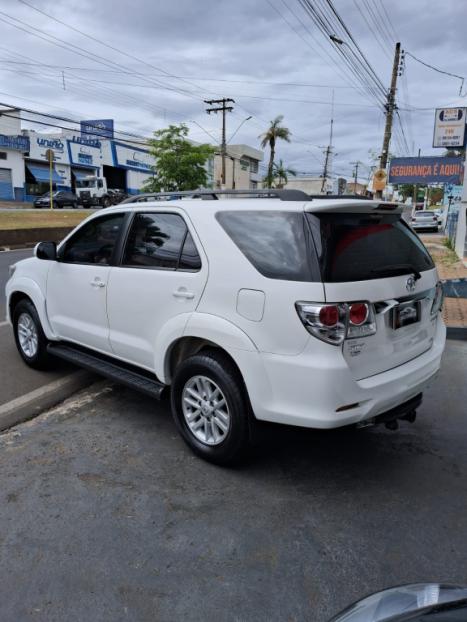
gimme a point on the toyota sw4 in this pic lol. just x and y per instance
(315, 312)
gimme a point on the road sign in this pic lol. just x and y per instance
(449, 127)
(379, 179)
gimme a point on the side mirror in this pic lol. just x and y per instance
(46, 250)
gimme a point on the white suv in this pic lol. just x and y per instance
(320, 312)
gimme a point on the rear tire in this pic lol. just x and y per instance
(106, 202)
(210, 407)
(29, 336)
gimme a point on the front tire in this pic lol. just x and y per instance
(29, 336)
(210, 407)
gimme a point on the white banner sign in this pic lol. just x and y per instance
(449, 127)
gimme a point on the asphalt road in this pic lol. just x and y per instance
(106, 515)
(16, 378)
(6, 259)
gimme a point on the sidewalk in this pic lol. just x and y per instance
(449, 267)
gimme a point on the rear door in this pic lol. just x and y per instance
(162, 275)
(376, 258)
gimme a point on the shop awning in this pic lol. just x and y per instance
(41, 172)
(79, 175)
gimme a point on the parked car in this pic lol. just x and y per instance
(117, 195)
(439, 215)
(424, 220)
(318, 313)
(60, 198)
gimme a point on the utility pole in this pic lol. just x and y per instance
(357, 163)
(390, 107)
(221, 108)
(328, 151)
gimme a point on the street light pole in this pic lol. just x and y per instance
(244, 121)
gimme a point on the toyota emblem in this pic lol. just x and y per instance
(410, 284)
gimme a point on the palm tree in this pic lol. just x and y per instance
(274, 132)
(281, 173)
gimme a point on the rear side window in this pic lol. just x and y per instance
(161, 241)
(274, 242)
(357, 247)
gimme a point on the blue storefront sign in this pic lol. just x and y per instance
(20, 143)
(426, 170)
(100, 128)
(86, 140)
(51, 143)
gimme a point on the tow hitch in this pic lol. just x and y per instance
(404, 412)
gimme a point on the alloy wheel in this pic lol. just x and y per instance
(27, 335)
(205, 410)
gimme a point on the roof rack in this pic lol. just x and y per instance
(286, 194)
(209, 195)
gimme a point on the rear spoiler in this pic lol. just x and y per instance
(355, 206)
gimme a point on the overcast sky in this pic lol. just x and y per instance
(234, 49)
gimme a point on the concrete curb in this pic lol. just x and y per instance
(32, 404)
(456, 332)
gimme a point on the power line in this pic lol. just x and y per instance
(446, 73)
(204, 79)
(372, 30)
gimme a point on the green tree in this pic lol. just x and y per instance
(180, 165)
(274, 133)
(281, 174)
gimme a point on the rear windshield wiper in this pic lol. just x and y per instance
(406, 267)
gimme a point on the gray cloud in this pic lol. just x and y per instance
(242, 41)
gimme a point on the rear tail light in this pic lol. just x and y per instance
(438, 299)
(335, 322)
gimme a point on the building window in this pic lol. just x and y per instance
(253, 166)
(2, 155)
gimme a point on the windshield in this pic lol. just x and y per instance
(86, 183)
(361, 247)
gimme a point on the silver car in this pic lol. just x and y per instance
(424, 220)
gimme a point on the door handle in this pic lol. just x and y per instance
(97, 284)
(181, 293)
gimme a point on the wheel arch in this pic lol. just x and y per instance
(29, 289)
(190, 334)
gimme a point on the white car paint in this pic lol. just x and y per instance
(290, 375)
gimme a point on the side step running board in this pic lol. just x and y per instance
(111, 370)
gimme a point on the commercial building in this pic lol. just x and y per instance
(314, 185)
(241, 168)
(125, 164)
(25, 171)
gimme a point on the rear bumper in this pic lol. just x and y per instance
(316, 389)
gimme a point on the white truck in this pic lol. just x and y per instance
(92, 191)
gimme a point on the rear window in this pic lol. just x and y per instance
(274, 242)
(357, 247)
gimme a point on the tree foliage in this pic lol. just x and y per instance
(281, 174)
(275, 132)
(180, 165)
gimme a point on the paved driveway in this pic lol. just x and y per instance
(106, 516)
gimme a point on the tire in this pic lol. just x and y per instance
(106, 202)
(33, 352)
(222, 434)
(74, 205)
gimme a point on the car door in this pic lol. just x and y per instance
(77, 283)
(161, 275)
